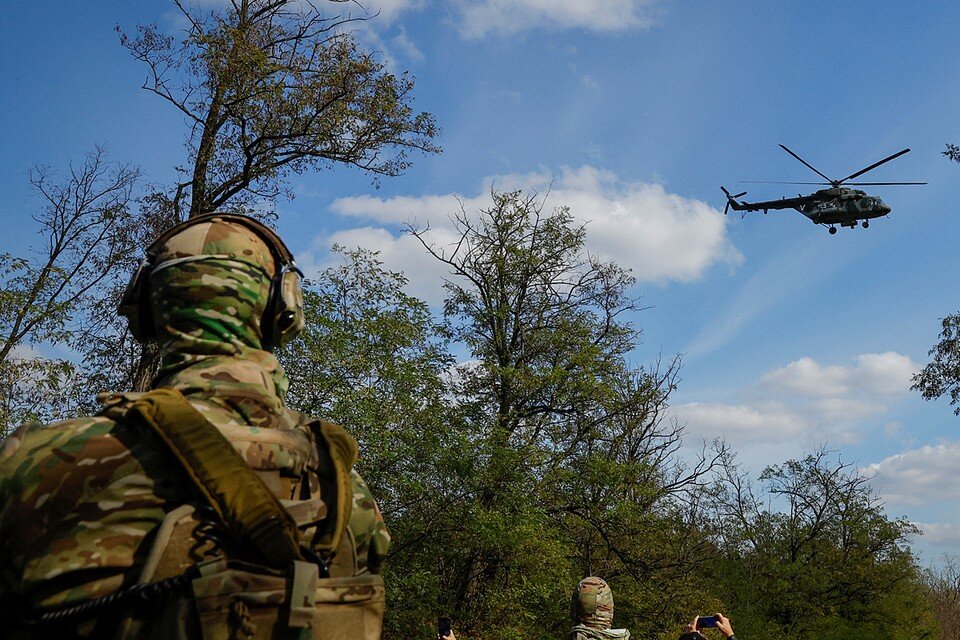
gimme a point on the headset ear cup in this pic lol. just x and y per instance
(135, 304)
(289, 316)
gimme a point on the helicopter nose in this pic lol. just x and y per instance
(884, 208)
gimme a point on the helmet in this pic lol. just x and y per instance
(222, 236)
(593, 603)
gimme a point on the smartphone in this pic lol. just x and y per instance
(443, 626)
(705, 622)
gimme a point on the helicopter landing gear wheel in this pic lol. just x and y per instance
(833, 230)
(866, 223)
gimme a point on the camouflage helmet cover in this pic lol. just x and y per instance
(593, 603)
(222, 236)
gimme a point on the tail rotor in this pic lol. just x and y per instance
(730, 200)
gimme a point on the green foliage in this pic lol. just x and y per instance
(373, 359)
(943, 588)
(274, 87)
(37, 389)
(572, 470)
(941, 376)
(816, 556)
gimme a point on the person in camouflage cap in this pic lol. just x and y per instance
(592, 612)
(94, 506)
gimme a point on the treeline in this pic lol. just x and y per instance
(547, 456)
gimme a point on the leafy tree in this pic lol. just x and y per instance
(571, 458)
(85, 228)
(815, 556)
(274, 87)
(35, 388)
(941, 376)
(373, 359)
(271, 88)
(83, 224)
(943, 585)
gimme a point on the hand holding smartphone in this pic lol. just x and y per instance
(706, 622)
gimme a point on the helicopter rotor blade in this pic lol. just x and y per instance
(877, 184)
(874, 165)
(807, 164)
(781, 182)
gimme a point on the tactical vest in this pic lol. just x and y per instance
(233, 580)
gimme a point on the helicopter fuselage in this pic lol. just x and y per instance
(842, 206)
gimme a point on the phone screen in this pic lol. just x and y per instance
(705, 622)
(443, 626)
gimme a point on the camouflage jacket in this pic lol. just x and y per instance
(81, 500)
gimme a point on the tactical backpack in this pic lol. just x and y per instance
(234, 564)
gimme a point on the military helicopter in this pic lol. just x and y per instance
(836, 205)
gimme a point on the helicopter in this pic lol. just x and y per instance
(836, 205)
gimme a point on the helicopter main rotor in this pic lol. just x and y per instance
(837, 183)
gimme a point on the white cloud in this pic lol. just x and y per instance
(504, 17)
(874, 374)
(919, 476)
(738, 423)
(940, 534)
(26, 352)
(804, 404)
(660, 236)
(406, 46)
(399, 253)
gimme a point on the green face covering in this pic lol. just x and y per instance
(209, 305)
(207, 310)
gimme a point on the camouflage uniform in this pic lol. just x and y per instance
(592, 612)
(82, 501)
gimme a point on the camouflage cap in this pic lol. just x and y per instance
(218, 237)
(593, 603)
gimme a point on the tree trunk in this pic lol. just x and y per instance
(147, 367)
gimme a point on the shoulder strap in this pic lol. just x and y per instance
(339, 455)
(250, 511)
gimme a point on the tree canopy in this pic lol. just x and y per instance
(274, 87)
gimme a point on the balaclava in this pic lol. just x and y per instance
(209, 287)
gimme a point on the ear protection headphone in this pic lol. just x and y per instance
(283, 317)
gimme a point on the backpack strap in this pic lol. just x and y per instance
(251, 512)
(338, 456)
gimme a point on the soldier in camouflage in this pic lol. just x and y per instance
(95, 506)
(592, 612)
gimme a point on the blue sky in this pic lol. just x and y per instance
(636, 111)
